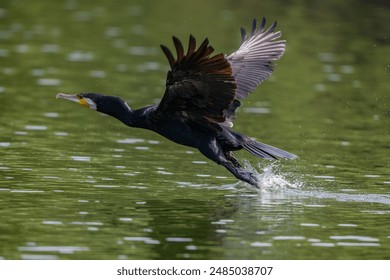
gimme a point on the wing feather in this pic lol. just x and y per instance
(252, 63)
(207, 89)
(199, 86)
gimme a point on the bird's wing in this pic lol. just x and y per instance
(252, 63)
(199, 86)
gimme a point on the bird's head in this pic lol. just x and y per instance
(106, 104)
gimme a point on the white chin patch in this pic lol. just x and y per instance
(91, 104)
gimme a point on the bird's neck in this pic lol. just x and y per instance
(123, 114)
(132, 118)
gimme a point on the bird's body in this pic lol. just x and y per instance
(201, 96)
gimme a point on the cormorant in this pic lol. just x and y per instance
(201, 96)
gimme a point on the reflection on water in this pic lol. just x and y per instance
(77, 185)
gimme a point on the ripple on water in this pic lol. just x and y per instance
(50, 48)
(191, 248)
(323, 244)
(51, 222)
(27, 191)
(141, 148)
(162, 172)
(130, 141)
(287, 237)
(146, 240)
(49, 82)
(81, 158)
(199, 162)
(5, 144)
(222, 222)
(80, 56)
(51, 114)
(257, 110)
(4, 52)
(93, 223)
(36, 127)
(357, 244)
(20, 132)
(347, 225)
(125, 219)
(38, 257)
(60, 133)
(97, 74)
(178, 239)
(309, 225)
(142, 51)
(106, 186)
(261, 244)
(354, 237)
(57, 249)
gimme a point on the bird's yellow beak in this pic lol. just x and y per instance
(86, 102)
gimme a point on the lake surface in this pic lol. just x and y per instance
(75, 184)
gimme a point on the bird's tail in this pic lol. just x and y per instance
(266, 151)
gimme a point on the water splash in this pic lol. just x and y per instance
(271, 177)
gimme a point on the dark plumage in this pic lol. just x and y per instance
(201, 95)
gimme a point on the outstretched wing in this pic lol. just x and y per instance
(199, 86)
(252, 63)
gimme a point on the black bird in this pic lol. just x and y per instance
(201, 96)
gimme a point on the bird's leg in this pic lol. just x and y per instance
(214, 152)
(241, 173)
(229, 156)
